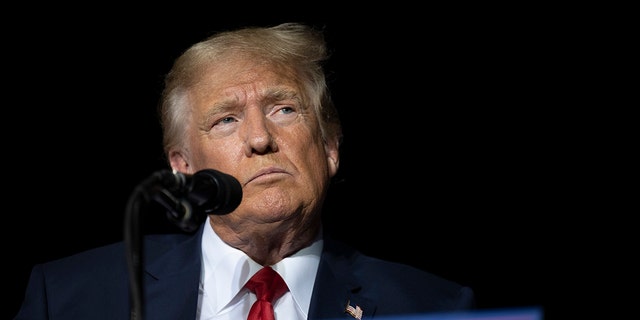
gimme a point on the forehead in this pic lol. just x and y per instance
(244, 70)
(239, 84)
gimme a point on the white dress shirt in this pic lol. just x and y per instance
(225, 270)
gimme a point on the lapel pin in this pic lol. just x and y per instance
(354, 312)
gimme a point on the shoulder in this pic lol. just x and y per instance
(395, 282)
(110, 258)
(346, 256)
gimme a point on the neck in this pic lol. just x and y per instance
(267, 244)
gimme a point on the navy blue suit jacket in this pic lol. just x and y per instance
(94, 284)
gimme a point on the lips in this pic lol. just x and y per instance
(267, 173)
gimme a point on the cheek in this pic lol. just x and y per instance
(219, 155)
(317, 162)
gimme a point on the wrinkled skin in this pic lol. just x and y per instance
(247, 119)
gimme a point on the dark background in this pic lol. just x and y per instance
(454, 160)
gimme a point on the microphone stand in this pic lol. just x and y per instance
(187, 202)
(149, 189)
(133, 245)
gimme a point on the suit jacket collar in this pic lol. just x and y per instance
(336, 287)
(172, 276)
(172, 280)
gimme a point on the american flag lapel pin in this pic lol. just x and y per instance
(354, 312)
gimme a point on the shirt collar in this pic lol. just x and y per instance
(225, 270)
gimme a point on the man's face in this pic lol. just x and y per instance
(249, 120)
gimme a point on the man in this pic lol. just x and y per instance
(252, 103)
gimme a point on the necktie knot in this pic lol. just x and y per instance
(268, 287)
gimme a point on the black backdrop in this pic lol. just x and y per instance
(447, 144)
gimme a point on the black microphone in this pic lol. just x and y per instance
(190, 198)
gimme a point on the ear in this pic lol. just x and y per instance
(333, 156)
(179, 162)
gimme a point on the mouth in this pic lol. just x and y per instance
(267, 175)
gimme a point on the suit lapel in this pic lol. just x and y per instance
(172, 278)
(337, 292)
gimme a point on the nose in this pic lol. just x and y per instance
(257, 132)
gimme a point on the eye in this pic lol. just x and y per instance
(224, 122)
(286, 110)
(227, 120)
(285, 115)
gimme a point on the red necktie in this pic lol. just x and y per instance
(268, 286)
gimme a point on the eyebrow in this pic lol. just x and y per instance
(281, 93)
(269, 95)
